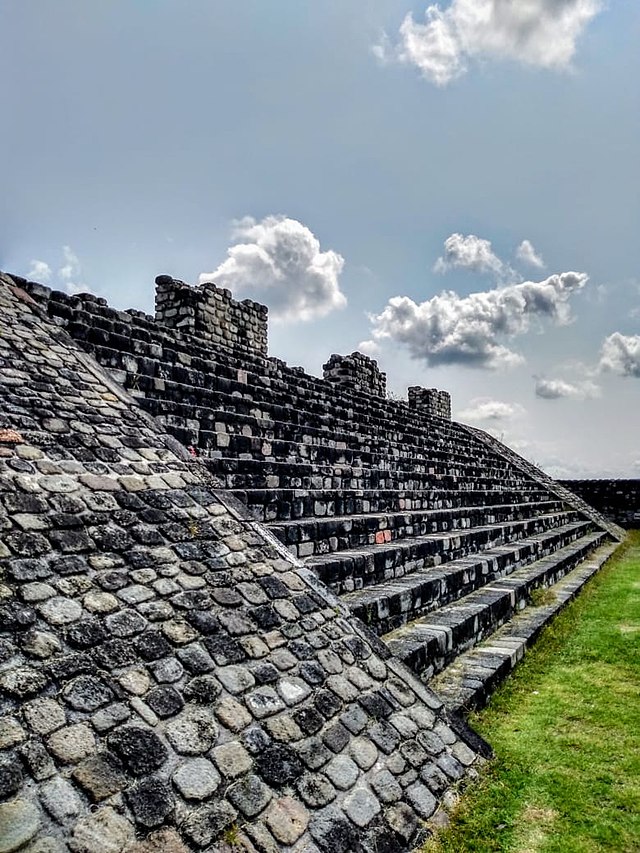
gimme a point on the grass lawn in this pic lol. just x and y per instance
(566, 732)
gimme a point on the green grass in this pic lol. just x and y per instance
(566, 732)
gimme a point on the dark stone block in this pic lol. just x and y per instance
(279, 765)
(140, 750)
(151, 801)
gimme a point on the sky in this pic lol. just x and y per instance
(453, 189)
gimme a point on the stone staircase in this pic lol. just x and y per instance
(434, 534)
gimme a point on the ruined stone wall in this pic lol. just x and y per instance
(211, 313)
(618, 500)
(356, 372)
(431, 402)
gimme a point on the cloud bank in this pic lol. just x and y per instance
(279, 260)
(469, 330)
(621, 354)
(538, 33)
(558, 389)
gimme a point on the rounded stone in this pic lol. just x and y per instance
(104, 830)
(10, 775)
(140, 749)
(196, 779)
(60, 610)
(60, 799)
(72, 743)
(193, 732)
(363, 752)
(100, 602)
(87, 693)
(23, 681)
(19, 822)
(287, 819)
(361, 805)
(151, 800)
(135, 681)
(44, 716)
(342, 771)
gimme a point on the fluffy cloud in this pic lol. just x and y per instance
(470, 252)
(557, 389)
(467, 330)
(528, 255)
(540, 33)
(485, 409)
(621, 354)
(279, 260)
(40, 271)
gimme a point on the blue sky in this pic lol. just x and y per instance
(340, 144)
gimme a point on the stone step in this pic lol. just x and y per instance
(355, 568)
(307, 537)
(288, 504)
(389, 605)
(431, 642)
(469, 681)
(248, 473)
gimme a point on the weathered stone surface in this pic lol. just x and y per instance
(60, 799)
(287, 819)
(193, 732)
(361, 805)
(232, 759)
(104, 830)
(196, 779)
(140, 749)
(249, 795)
(19, 822)
(151, 800)
(44, 716)
(99, 777)
(72, 743)
(332, 831)
(422, 800)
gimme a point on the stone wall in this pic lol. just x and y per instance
(618, 500)
(430, 401)
(211, 313)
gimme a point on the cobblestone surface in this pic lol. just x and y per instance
(170, 678)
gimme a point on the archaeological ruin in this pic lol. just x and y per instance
(243, 608)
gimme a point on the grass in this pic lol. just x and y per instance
(566, 732)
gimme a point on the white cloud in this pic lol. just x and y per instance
(528, 255)
(279, 260)
(487, 409)
(556, 389)
(40, 271)
(539, 33)
(69, 274)
(621, 354)
(368, 347)
(468, 330)
(470, 252)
